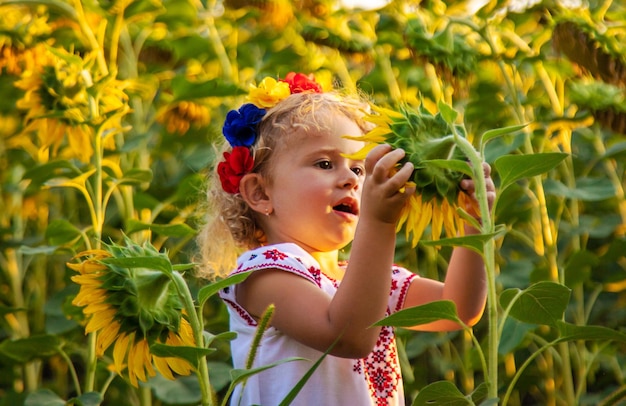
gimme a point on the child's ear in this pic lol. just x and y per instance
(252, 189)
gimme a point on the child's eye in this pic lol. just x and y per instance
(324, 164)
(358, 170)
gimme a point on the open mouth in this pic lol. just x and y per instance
(347, 206)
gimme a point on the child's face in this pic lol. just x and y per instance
(315, 190)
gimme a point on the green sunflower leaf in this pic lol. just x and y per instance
(541, 303)
(42, 173)
(180, 230)
(209, 290)
(415, 316)
(474, 242)
(184, 89)
(24, 350)
(587, 189)
(447, 112)
(136, 176)
(149, 262)
(571, 332)
(43, 397)
(498, 132)
(61, 231)
(512, 168)
(227, 336)
(441, 393)
(450, 164)
(87, 399)
(189, 354)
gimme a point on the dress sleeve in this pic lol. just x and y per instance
(285, 257)
(400, 281)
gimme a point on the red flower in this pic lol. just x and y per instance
(235, 165)
(300, 83)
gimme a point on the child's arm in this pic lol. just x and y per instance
(364, 292)
(465, 283)
(310, 316)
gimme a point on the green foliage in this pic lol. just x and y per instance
(539, 93)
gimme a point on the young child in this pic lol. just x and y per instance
(289, 195)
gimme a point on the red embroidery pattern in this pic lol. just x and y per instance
(275, 255)
(316, 274)
(403, 290)
(241, 312)
(382, 369)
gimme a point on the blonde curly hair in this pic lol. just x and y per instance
(231, 227)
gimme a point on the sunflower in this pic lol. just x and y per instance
(180, 116)
(131, 309)
(61, 97)
(424, 137)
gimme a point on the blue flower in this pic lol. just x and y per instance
(240, 126)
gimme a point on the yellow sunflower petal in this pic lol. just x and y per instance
(404, 214)
(185, 332)
(361, 154)
(96, 307)
(163, 367)
(436, 224)
(449, 218)
(99, 321)
(98, 253)
(138, 361)
(87, 280)
(106, 337)
(180, 366)
(88, 294)
(120, 350)
(419, 225)
(387, 112)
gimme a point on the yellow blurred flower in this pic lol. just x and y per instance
(180, 116)
(65, 107)
(129, 309)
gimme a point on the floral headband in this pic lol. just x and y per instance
(240, 127)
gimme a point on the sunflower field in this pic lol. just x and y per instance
(109, 118)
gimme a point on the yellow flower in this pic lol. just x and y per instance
(179, 117)
(268, 93)
(129, 309)
(59, 111)
(424, 137)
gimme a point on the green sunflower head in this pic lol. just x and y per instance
(143, 296)
(426, 137)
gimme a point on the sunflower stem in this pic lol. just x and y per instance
(72, 370)
(90, 375)
(195, 320)
(145, 395)
(487, 227)
(91, 38)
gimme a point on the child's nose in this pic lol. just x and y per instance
(349, 179)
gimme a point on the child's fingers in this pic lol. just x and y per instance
(384, 165)
(372, 158)
(486, 169)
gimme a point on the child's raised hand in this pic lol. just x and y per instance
(468, 186)
(385, 190)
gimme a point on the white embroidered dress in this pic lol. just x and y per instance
(375, 380)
